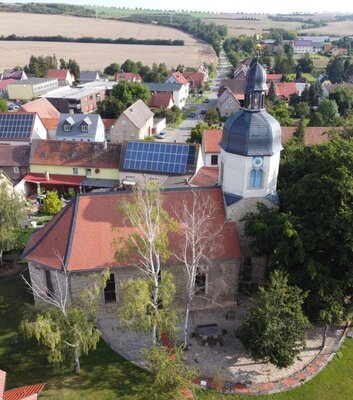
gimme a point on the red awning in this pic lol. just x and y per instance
(25, 392)
(54, 179)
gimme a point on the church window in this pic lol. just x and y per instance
(214, 159)
(256, 176)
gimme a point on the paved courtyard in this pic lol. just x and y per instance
(230, 358)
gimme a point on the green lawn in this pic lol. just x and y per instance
(107, 376)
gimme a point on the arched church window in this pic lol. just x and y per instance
(256, 176)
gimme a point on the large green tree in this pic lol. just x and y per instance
(335, 70)
(275, 330)
(305, 63)
(343, 96)
(11, 215)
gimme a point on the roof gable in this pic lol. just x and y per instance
(91, 221)
(211, 139)
(14, 155)
(138, 113)
(60, 74)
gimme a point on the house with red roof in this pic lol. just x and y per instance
(127, 76)
(81, 238)
(210, 147)
(22, 393)
(275, 78)
(195, 79)
(161, 99)
(177, 78)
(229, 103)
(64, 76)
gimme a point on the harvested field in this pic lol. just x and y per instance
(97, 56)
(336, 28)
(23, 24)
(238, 27)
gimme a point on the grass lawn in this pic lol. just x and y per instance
(107, 376)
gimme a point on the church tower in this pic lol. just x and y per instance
(251, 144)
(249, 163)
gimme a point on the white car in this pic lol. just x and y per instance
(161, 135)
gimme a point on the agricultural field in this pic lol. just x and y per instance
(23, 24)
(336, 28)
(96, 56)
(92, 56)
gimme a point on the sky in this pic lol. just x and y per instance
(253, 6)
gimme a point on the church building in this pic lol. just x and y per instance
(80, 238)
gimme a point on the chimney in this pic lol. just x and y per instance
(47, 176)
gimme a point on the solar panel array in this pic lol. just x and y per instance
(16, 126)
(156, 157)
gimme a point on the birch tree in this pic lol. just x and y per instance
(199, 240)
(147, 247)
(65, 328)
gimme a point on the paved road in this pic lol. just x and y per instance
(182, 132)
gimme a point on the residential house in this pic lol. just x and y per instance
(171, 164)
(78, 165)
(327, 89)
(17, 74)
(177, 78)
(48, 114)
(240, 72)
(195, 79)
(108, 125)
(127, 76)
(177, 90)
(210, 148)
(324, 79)
(312, 134)
(3, 87)
(84, 233)
(22, 393)
(63, 76)
(335, 51)
(14, 161)
(204, 70)
(31, 88)
(303, 46)
(21, 128)
(136, 122)
(161, 100)
(228, 103)
(76, 100)
(284, 90)
(89, 76)
(237, 87)
(275, 78)
(80, 128)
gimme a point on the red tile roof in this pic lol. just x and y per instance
(197, 78)
(205, 176)
(237, 87)
(108, 122)
(75, 154)
(82, 233)
(128, 76)
(312, 134)
(274, 77)
(163, 99)
(59, 74)
(211, 139)
(179, 77)
(285, 89)
(24, 393)
(5, 82)
(48, 114)
(14, 155)
(54, 179)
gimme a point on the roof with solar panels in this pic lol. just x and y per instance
(16, 126)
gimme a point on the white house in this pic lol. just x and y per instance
(228, 103)
(177, 90)
(303, 46)
(80, 127)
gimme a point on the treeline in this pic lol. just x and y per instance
(210, 33)
(46, 8)
(307, 22)
(88, 39)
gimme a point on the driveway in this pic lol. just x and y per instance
(182, 132)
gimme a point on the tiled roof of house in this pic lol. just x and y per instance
(205, 176)
(83, 233)
(211, 139)
(55, 179)
(46, 111)
(24, 392)
(2, 383)
(138, 113)
(109, 122)
(227, 93)
(14, 155)
(196, 77)
(285, 89)
(89, 76)
(76, 154)
(312, 134)
(59, 74)
(13, 74)
(237, 87)
(129, 76)
(274, 77)
(77, 120)
(303, 43)
(161, 100)
(163, 87)
(179, 77)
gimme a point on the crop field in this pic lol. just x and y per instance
(334, 28)
(92, 56)
(96, 56)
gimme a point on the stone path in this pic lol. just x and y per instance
(243, 375)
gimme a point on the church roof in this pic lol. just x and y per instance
(256, 79)
(81, 236)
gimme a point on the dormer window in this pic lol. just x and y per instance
(84, 128)
(67, 127)
(68, 124)
(85, 124)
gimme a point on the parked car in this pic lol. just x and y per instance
(206, 101)
(203, 111)
(12, 107)
(161, 135)
(192, 115)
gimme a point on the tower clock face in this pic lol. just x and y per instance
(257, 162)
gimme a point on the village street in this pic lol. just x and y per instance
(182, 132)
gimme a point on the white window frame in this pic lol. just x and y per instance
(75, 170)
(16, 170)
(88, 171)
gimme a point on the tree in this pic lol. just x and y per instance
(52, 204)
(305, 63)
(67, 329)
(282, 112)
(329, 111)
(314, 94)
(197, 243)
(275, 330)
(3, 105)
(335, 70)
(112, 69)
(149, 245)
(302, 110)
(72, 66)
(344, 99)
(196, 133)
(300, 132)
(212, 116)
(129, 92)
(110, 107)
(11, 214)
(172, 115)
